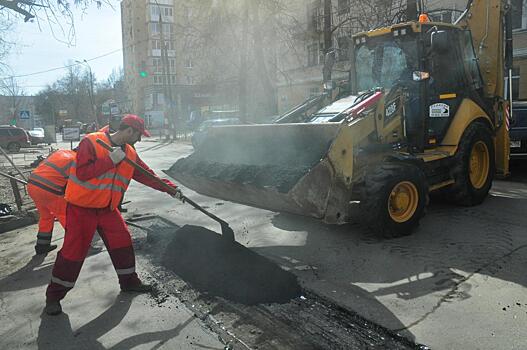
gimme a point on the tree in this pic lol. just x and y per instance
(9, 88)
(112, 89)
(70, 93)
(48, 102)
(5, 45)
(57, 14)
(235, 44)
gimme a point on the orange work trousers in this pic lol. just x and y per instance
(49, 206)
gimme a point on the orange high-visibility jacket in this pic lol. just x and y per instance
(52, 174)
(106, 189)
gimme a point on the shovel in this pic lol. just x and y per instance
(226, 231)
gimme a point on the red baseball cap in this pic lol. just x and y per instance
(135, 122)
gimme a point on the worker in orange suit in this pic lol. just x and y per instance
(95, 187)
(46, 186)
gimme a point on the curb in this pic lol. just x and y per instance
(17, 223)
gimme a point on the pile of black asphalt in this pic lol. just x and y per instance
(222, 268)
(277, 163)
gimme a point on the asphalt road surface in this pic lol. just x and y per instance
(458, 282)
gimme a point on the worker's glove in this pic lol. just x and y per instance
(176, 193)
(117, 155)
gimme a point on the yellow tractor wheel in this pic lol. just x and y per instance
(394, 199)
(403, 201)
(479, 164)
(473, 166)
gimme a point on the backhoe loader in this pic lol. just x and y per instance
(428, 117)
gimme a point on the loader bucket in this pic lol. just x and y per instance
(277, 167)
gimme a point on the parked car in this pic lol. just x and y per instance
(331, 112)
(36, 136)
(518, 130)
(201, 133)
(13, 138)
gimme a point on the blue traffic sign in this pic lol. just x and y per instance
(24, 114)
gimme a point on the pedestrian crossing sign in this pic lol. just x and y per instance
(24, 114)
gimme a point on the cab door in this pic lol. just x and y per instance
(445, 87)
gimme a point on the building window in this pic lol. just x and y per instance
(168, 11)
(173, 79)
(188, 63)
(313, 55)
(157, 65)
(317, 16)
(154, 10)
(154, 27)
(172, 65)
(168, 28)
(169, 44)
(190, 80)
(519, 15)
(188, 12)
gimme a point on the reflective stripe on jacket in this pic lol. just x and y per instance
(106, 189)
(53, 173)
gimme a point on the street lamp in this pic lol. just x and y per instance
(84, 62)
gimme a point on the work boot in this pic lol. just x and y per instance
(53, 307)
(44, 248)
(137, 288)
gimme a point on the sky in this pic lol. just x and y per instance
(98, 32)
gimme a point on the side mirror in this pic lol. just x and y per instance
(330, 85)
(439, 41)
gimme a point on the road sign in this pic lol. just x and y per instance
(71, 134)
(24, 114)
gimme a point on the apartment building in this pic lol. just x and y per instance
(158, 77)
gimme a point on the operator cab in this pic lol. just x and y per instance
(432, 64)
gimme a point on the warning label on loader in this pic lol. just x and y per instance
(439, 110)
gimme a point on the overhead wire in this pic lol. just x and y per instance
(73, 64)
(59, 68)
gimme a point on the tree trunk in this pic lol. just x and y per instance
(263, 72)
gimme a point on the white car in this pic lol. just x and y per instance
(36, 136)
(331, 111)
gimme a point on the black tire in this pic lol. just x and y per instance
(463, 191)
(376, 209)
(13, 147)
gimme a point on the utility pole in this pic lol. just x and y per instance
(242, 79)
